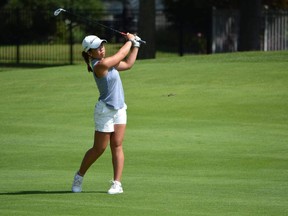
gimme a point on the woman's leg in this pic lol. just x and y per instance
(116, 141)
(101, 140)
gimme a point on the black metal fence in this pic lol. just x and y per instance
(225, 30)
(26, 36)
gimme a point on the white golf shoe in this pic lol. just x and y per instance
(77, 183)
(116, 188)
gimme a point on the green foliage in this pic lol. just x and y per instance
(276, 4)
(180, 5)
(33, 21)
(49, 4)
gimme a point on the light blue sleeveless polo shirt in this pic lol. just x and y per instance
(110, 88)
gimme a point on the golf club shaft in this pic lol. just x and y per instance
(58, 11)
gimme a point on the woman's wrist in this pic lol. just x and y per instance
(134, 42)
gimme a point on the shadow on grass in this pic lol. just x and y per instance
(47, 192)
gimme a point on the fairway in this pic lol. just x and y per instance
(206, 135)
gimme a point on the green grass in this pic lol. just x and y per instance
(206, 135)
(51, 54)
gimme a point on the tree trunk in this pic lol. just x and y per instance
(250, 25)
(146, 29)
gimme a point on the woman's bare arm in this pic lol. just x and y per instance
(129, 62)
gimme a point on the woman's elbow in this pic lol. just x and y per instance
(129, 66)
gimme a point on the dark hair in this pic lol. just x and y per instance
(87, 60)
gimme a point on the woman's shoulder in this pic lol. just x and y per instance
(100, 67)
(95, 61)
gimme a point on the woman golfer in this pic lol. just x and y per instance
(110, 110)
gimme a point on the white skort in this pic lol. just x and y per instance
(105, 118)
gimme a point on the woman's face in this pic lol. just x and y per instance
(98, 53)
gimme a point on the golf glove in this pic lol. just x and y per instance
(136, 43)
(137, 38)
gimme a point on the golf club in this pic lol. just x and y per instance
(58, 11)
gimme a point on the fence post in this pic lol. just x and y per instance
(209, 34)
(265, 30)
(71, 42)
(181, 40)
(18, 38)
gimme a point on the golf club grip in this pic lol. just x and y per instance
(141, 41)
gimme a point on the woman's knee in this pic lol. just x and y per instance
(100, 141)
(98, 149)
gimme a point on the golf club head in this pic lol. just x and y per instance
(58, 11)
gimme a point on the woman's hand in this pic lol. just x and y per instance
(134, 39)
(130, 37)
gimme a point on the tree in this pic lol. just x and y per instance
(276, 4)
(127, 17)
(33, 20)
(192, 20)
(45, 4)
(250, 25)
(146, 28)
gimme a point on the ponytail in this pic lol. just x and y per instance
(87, 61)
